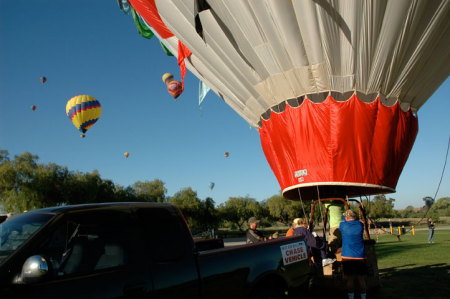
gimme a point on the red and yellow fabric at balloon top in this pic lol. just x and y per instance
(149, 12)
(354, 146)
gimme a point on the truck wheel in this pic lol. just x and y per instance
(270, 291)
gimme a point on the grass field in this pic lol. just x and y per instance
(412, 268)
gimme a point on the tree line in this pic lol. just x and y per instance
(26, 184)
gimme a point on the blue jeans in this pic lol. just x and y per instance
(431, 236)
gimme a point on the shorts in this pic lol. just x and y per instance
(354, 267)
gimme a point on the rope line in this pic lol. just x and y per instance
(443, 169)
(301, 201)
(321, 214)
(429, 208)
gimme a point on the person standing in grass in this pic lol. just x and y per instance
(430, 230)
(353, 254)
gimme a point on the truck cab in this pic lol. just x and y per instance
(135, 250)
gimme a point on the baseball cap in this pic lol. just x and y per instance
(253, 220)
(349, 213)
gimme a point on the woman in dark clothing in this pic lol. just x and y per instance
(430, 230)
(312, 240)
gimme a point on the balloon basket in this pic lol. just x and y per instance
(332, 277)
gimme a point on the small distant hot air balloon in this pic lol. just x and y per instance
(33, 107)
(83, 111)
(211, 185)
(226, 154)
(126, 154)
(173, 87)
(43, 79)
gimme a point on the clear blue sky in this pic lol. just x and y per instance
(91, 47)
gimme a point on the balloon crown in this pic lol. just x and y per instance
(167, 77)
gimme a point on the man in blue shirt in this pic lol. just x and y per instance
(353, 254)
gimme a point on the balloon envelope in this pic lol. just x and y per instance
(126, 154)
(211, 185)
(83, 111)
(226, 154)
(43, 79)
(33, 107)
(333, 86)
(174, 88)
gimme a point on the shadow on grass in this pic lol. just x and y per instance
(386, 249)
(431, 282)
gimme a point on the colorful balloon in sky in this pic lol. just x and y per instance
(211, 185)
(173, 87)
(126, 154)
(33, 107)
(226, 154)
(332, 89)
(83, 111)
(43, 80)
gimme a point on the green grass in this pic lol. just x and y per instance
(413, 268)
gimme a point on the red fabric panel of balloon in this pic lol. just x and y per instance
(174, 88)
(147, 9)
(350, 144)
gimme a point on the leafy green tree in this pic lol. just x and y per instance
(150, 191)
(408, 212)
(381, 207)
(283, 209)
(50, 182)
(238, 210)
(124, 194)
(16, 177)
(26, 184)
(442, 206)
(208, 217)
(4, 156)
(189, 204)
(89, 188)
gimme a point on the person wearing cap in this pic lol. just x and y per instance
(353, 254)
(253, 234)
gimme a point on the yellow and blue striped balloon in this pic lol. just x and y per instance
(83, 111)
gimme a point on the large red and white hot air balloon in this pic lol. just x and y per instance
(333, 86)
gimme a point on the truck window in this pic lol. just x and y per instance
(165, 234)
(17, 230)
(88, 241)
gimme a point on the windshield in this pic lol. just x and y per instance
(15, 231)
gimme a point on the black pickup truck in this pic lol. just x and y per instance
(137, 250)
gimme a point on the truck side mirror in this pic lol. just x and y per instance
(34, 268)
